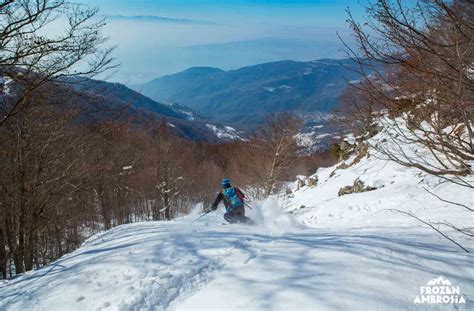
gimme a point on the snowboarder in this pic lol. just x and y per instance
(233, 199)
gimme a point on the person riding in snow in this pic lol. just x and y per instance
(233, 199)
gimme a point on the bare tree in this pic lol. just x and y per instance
(427, 82)
(277, 140)
(167, 167)
(40, 159)
(33, 51)
(43, 43)
(423, 97)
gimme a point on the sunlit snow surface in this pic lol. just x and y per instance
(274, 265)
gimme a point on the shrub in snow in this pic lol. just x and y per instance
(357, 187)
(300, 182)
(358, 152)
(312, 181)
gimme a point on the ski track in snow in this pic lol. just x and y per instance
(202, 265)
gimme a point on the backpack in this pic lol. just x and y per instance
(233, 198)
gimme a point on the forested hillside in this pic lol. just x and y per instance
(246, 95)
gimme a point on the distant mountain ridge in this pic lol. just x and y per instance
(118, 94)
(96, 101)
(245, 96)
(156, 18)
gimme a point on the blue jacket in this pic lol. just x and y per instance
(221, 197)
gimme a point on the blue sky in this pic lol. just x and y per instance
(297, 12)
(238, 33)
(306, 8)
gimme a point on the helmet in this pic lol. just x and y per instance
(225, 183)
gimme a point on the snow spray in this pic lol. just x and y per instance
(269, 217)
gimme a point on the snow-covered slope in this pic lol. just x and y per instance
(225, 132)
(326, 252)
(316, 200)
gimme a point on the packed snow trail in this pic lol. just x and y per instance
(276, 265)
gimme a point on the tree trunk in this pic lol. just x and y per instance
(29, 248)
(105, 211)
(3, 254)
